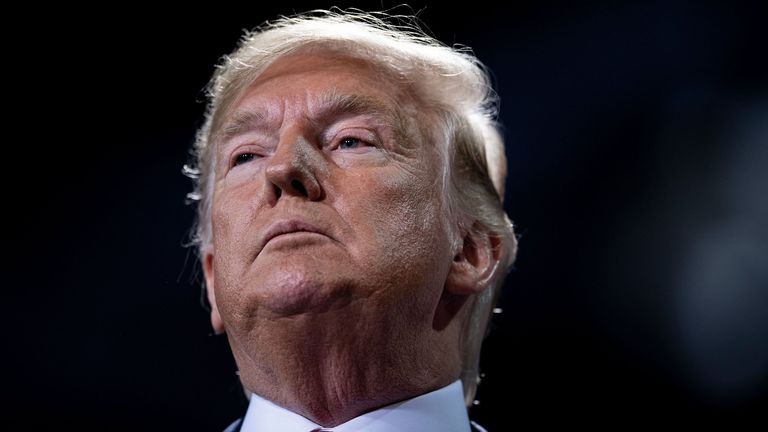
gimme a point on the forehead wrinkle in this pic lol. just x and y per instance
(331, 104)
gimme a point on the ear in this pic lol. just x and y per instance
(475, 263)
(208, 271)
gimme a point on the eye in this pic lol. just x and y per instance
(349, 143)
(243, 158)
(353, 140)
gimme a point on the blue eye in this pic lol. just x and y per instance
(243, 158)
(348, 143)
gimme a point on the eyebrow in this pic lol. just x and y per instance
(331, 106)
(334, 105)
(241, 122)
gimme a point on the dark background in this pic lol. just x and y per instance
(637, 137)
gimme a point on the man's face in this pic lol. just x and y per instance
(327, 203)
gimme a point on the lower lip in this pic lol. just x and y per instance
(296, 238)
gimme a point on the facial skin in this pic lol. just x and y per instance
(332, 268)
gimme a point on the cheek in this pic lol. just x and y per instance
(230, 256)
(231, 218)
(403, 223)
(235, 200)
(222, 221)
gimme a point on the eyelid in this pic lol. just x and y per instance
(364, 135)
(254, 149)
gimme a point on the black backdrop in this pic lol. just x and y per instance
(637, 137)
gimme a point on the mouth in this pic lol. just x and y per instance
(288, 227)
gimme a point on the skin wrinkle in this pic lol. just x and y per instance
(328, 365)
(326, 327)
(406, 98)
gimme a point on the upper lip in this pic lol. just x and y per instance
(286, 227)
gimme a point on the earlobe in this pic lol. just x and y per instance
(475, 263)
(208, 270)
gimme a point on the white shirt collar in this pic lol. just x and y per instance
(442, 410)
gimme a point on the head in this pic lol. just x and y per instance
(352, 169)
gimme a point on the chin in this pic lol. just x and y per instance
(294, 287)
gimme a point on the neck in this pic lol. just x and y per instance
(331, 371)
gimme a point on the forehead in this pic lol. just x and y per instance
(320, 82)
(310, 74)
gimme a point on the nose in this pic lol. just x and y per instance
(293, 169)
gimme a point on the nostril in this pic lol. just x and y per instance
(299, 187)
(278, 192)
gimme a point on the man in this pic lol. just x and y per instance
(350, 177)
